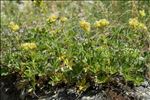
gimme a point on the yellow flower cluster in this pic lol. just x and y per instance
(134, 23)
(63, 19)
(142, 13)
(142, 26)
(28, 46)
(14, 27)
(52, 18)
(101, 23)
(85, 25)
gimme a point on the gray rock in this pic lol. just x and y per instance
(143, 91)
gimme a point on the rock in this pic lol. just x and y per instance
(143, 91)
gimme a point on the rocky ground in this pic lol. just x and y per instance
(143, 92)
(116, 89)
(113, 91)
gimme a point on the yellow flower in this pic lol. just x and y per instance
(52, 18)
(101, 23)
(63, 19)
(97, 24)
(28, 46)
(142, 13)
(104, 22)
(133, 22)
(14, 27)
(142, 26)
(85, 25)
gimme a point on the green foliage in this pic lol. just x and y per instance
(65, 53)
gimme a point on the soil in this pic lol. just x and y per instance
(116, 89)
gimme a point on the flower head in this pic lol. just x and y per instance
(142, 26)
(142, 13)
(52, 18)
(101, 23)
(85, 25)
(14, 27)
(63, 19)
(133, 22)
(97, 24)
(28, 46)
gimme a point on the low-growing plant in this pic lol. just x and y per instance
(59, 52)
